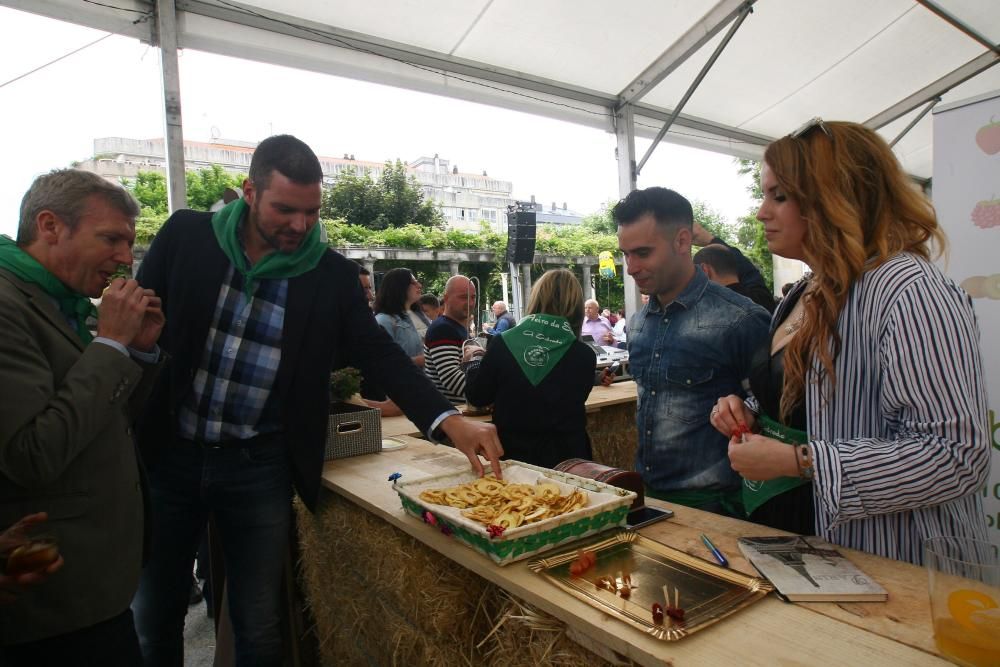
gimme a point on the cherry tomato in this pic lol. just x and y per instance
(657, 613)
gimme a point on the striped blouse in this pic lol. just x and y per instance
(901, 447)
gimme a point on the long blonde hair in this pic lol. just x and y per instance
(558, 292)
(860, 209)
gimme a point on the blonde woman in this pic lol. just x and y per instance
(538, 376)
(870, 397)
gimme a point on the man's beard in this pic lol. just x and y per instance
(272, 240)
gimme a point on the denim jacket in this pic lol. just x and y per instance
(684, 357)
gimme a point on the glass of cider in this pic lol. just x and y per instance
(964, 583)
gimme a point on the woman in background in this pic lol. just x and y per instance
(870, 397)
(398, 291)
(418, 319)
(538, 376)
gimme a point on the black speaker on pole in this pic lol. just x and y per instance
(520, 235)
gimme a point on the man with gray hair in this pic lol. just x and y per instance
(66, 404)
(503, 320)
(596, 325)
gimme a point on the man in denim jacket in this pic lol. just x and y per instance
(692, 343)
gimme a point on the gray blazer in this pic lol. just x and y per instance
(67, 448)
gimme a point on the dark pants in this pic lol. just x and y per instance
(110, 643)
(248, 488)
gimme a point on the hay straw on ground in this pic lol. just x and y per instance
(524, 635)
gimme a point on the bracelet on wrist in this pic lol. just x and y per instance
(803, 458)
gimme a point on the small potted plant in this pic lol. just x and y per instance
(345, 384)
(354, 428)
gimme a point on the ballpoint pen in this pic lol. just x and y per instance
(715, 551)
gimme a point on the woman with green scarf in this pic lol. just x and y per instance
(538, 376)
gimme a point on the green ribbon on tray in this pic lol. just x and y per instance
(756, 494)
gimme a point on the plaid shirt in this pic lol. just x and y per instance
(231, 396)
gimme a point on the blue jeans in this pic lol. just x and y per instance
(249, 490)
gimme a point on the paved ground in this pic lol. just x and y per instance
(199, 637)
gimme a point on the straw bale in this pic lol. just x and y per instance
(613, 435)
(380, 597)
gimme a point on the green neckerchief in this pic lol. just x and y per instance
(76, 307)
(756, 494)
(538, 342)
(226, 225)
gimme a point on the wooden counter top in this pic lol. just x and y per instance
(766, 633)
(619, 392)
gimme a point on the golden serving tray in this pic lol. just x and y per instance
(707, 591)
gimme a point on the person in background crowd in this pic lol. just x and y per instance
(400, 290)
(619, 329)
(692, 338)
(418, 319)
(595, 325)
(445, 346)
(538, 376)
(228, 195)
(503, 320)
(259, 313)
(870, 395)
(365, 278)
(431, 306)
(720, 264)
(67, 403)
(748, 273)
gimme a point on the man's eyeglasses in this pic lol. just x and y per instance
(808, 126)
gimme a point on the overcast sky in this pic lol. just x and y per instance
(51, 118)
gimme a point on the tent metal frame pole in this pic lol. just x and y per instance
(686, 46)
(627, 182)
(961, 25)
(937, 89)
(744, 12)
(173, 143)
(516, 297)
(926, 110)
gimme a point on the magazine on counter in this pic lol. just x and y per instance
(807, 569)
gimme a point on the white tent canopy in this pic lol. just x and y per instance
(586, 61)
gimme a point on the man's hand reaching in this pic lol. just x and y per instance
(475, 439)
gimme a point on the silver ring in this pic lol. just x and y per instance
(715, 410)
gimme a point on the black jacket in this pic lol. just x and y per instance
(327, 323)
(544, 424)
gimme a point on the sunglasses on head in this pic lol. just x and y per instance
(808, 127)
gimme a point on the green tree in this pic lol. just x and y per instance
(354, 198)
(601, 222)
(150, 190)
(750, 230)
(205, 186)
(403, 201)
(395, 200)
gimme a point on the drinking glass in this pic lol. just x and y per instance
(964, 582)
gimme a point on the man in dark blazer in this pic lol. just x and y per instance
(259, 312)
(66, 407)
